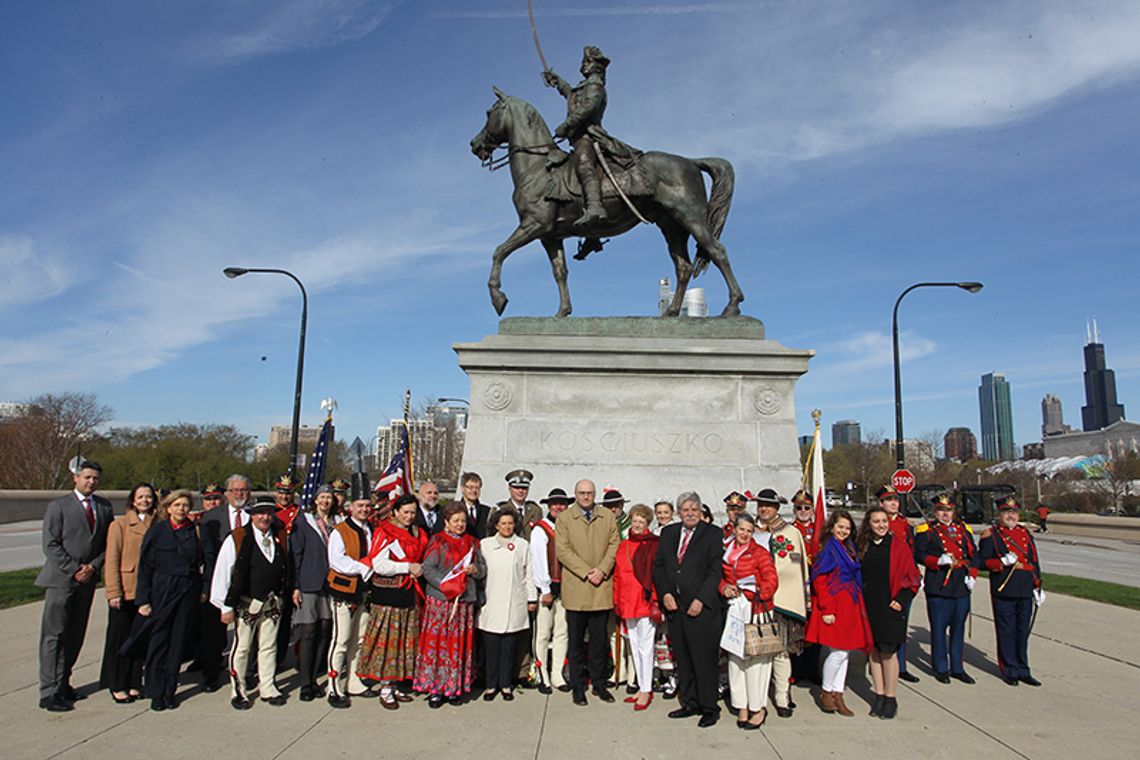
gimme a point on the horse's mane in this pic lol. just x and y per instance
(530, 113)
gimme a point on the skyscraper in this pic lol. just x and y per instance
(997, 417)
(1100, 409)
(959, 443)
(1052, 417)
(845, 433)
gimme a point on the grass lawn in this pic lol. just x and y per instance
(18, 587)
(1097, 591)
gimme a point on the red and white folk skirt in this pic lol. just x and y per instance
(445, 664)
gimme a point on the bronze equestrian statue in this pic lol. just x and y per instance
(556, 198)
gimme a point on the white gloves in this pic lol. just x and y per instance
(1009, 559)
(969, 579)
(1039, 596)
(945, 559)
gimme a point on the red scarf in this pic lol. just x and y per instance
(388, 533)
(642, 556)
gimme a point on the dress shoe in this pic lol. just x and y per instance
(339, 702)
(639, 706)
(544, 689)
(455, 701)
(306, 694)
(508, 695)
(631, 688)
(388, 701)
(1011, 681)
(489, 695)
(629, 700)
(56, 704)
(402, 696)
(318, 691)
(783, 712)
(603, 694)
(964, 677)
(1030, 681)
(70, 694)
(564, 688)
(942, 677)
(908, 677)
(580, 698)
(791, 702)
(240, 703)
(841, 706)
(171, 702)
(741, 723)
(876, 705)
(158, 704)
(668, 693)
(121, 700)
(890, 708)
(276, 700)
(682, 712)
(209, 687)
(435, 701)
(708, 720)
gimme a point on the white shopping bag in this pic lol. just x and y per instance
(739, 613)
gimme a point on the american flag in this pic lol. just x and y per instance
(397, 478)
(316, 474)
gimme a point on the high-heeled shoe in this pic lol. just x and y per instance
(123, 701)
(638, 706)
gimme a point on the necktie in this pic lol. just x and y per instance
(89, 513)
(688, 533)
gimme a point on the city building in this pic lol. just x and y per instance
(1100, 409)
(1052, 417)
(960, 444)
(919, 455)
(10, 410)
(1118, 439)
(436, 448)
(282, 435)
(805, 440)
(845, 433)
(996, 417)
(693, 305)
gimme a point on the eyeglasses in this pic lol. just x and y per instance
(803, 508)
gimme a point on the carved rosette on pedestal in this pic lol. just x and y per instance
(654, 406)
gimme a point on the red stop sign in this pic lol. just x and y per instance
(902, 481)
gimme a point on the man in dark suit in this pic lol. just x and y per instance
(470, 488)
(687, 573)
(75, 544)
(429, 517)
(215, 526)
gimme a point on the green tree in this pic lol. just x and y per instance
(182, 455)
(36, 446)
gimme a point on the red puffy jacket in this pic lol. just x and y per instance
(754, 562)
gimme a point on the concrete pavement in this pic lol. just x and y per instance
(1082, 651)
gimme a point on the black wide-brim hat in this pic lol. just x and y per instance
(556, 496)
(769, 498)
(612, 498)
(261, 507)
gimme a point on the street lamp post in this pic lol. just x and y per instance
(233, 272)
(972, 287)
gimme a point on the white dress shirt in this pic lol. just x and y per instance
(344, 564)
(224, 568)
(539, 568)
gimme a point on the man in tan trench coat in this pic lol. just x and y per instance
(586, 537)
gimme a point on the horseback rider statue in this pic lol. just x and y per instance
(585, 106)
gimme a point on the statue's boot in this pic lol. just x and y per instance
(594, 212)
(588, 246)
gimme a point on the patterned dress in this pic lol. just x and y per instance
(391, 639)
(445, 662)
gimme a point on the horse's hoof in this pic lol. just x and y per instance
(499, 301)
(565, 312)
(732, 310)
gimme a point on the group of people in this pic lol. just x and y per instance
(390, 598)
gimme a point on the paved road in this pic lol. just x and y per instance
(1104, 559)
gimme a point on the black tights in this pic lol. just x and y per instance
(314, 648)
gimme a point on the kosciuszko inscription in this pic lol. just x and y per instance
(676, 442)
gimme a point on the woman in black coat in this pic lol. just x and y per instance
(169, 591)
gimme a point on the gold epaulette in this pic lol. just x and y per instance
(922, 527)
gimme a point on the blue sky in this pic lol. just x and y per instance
(145, 146)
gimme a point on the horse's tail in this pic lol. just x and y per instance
(720, 199)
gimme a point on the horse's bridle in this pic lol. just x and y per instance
(494, 164)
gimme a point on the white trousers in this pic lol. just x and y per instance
(628, 672)
(748, 679)
(835, 670)
(781, 672)
(642, 638)
(261, 625)
(550, 633)
(348, 620)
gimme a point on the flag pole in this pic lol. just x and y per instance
(408, 430)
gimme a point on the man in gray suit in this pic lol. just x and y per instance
(75, 543)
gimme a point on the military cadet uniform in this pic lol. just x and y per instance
(946, 551)
(347, 586)
(527, 513)
(252, 579)
(1015, 587)
(805, 665)
(287, 511)
(340, 488)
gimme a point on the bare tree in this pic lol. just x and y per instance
(37, 445)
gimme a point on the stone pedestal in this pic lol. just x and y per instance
(654, 406)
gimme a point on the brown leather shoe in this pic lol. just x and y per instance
(840, 707)
(827, 701)
(388, 701)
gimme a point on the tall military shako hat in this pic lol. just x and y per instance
(736, 499)
(519, 478)
(285, 484)
(556, 496)
(801, 499)
(212, 491)
(612, 498)
(1009, 503)
(769, 498)
(886, 492)
(340, 485)
(262, 506)
(361, 488)
(593, 54)
(942, 501)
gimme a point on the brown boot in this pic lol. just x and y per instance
(827, 701)
(840, 707)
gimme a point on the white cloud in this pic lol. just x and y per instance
(871, 348)
(266, 28)
(28, 275)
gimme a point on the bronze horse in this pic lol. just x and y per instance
(672, 197)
